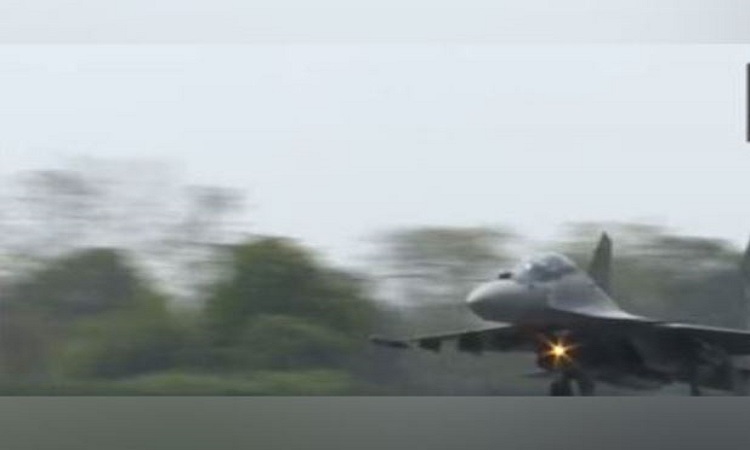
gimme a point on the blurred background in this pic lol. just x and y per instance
(115, 282)
(237, 220)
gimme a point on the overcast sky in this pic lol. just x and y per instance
(333, 142)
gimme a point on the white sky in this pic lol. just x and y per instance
(333, 142)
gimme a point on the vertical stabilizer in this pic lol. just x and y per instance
(601, 263)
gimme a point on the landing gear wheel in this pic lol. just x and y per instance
(561, 388)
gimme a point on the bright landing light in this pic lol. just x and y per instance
(559, 351)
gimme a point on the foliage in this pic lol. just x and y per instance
(80, 312)
(278, 277)
(93, 289)
(312, 382)
(122, 343)
(26, 344)
(442, 263)
(286, 342)
(86, 282)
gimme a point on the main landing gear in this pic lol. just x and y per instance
(563, 385)
(713, 366)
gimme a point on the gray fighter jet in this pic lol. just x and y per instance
(581, 336)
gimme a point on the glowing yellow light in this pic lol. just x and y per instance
(558, 351)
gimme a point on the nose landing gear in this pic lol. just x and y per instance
(558, 354)
(563, 386)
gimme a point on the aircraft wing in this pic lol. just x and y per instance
(471, 339)
(733, 341)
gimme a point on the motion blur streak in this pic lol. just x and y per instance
(118, 281)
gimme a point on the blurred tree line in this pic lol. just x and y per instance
(117, 279)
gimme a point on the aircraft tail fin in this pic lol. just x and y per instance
(601, 263)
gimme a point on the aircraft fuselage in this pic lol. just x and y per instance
(617, 348)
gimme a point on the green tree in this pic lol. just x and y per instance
(279, 306)
(94, 290)
(123, 343)
(286, 342)
(137, 206)
(26, 343)
(441, 264)
(80, 284)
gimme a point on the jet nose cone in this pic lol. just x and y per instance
(481, 294)
(504, 300)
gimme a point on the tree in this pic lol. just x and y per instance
(287, 342)
(26, 343)
(46, 308)
(441, 264)
(122, 343)
(281, 305)
(192, 247)
(51, 212)
(137, 206)
(84, 283)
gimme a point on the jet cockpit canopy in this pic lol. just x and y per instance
(547, 267)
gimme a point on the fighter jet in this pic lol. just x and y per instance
(581, 337)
